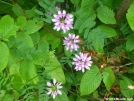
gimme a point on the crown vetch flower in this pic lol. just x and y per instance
(54, 88)
(71, 42)
(63, 21)
(82, 62)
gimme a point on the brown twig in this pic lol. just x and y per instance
(122, 9)
(15, 4)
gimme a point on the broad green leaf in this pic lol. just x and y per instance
(14, 68)
(110, 32)
(17, 82)
(35, 37)
(43, 46)
(21, 21)
(130, 15)
(31, 26)
(108, 78)
(54, 69)
(28, 71)
(17, 10)
(62, 97)
(87, 5)
(56, 43)
(24, 40)
(81, 99)
(75, 2)
(2, 94)
(67, 52)
(7, 27)
(109, 3)
(4, 54)
(97, 38)
(88, 23)
(72, 97)
(39, 58)
(106, 15)
(124, 88)
(90, 81)
(129, 43)
(8, 97)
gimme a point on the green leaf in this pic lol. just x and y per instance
(130, 15)
(38, 12)
(43, 46)
(54, 69)
(75, 2)
(31, 26)
(28, 71)
(25, 40)
(14, 68)
(87, 5)
(62, 97)
(67, 52)
(124, 88)
(110, 32)
(129, 43)
(106, 15)
(7, 27)
(108, 78)
(81, 99)
(17, 10)
(4, 54)
(90, 81)
(35, 37)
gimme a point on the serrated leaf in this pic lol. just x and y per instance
(87, 5)
(110, 32)
(43, 46)
(130, 15)
(28, 71)
(106, 15)
(108, 78)
(25, 40)
(62, 97)
(54, 69)
(31, 26)
(35, 37)
(90, 81)
(4, 54)
(7, 27)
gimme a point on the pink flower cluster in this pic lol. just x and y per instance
(71, 42)
(82, 62)
(63, 21)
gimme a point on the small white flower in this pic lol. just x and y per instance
(54, 88)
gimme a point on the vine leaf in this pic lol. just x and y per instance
(7, 27)
(90, 81)
(4, 54)
(106, 15)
